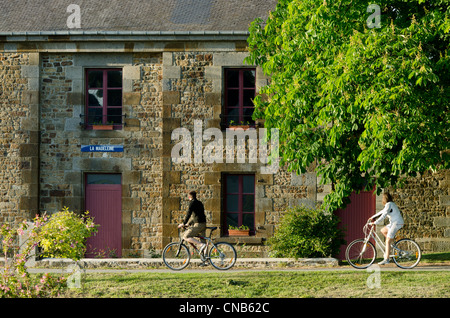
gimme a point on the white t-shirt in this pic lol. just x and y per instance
(392, 211)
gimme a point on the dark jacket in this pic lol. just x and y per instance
(197, 210)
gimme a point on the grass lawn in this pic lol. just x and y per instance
(265, 284)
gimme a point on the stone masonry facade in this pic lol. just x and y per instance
(63, 166)
(43, 169)
(19, 161)
(425, 204)
(166, 85)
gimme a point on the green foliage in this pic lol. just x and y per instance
(367, 105)
(307, 232)
(65, 233)
(61, 235)
(242, 227)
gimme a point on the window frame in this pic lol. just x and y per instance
(240, 194)
(241, 90)
(105, 106)
(112, 175)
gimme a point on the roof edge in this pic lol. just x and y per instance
(122, 33)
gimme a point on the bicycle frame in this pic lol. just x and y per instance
(221, 255)
(372, 234)
(404, 252)
(208, 240)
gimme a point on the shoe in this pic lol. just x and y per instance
(384, 262)
(203, 264)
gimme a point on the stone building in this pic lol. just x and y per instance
(144, 69)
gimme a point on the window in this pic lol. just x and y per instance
(107, 178)
(104, 97)
(239, 201)
(239, 94)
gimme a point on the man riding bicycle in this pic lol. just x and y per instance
(392, 211)
(198, 223)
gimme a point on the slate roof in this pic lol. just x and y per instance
(133, 15)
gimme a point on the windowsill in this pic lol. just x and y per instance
(241, 240)
(91, 128)
(255, 125)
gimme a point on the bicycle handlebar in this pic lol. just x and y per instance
(366, 226)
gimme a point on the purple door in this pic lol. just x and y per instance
(354, 217)
(104, 203)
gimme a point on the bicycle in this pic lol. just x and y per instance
(220, 255)
(361, 253)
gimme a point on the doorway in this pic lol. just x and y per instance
(104, 203)
(354, 217)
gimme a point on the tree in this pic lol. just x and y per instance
(367, 102)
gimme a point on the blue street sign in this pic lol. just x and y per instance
(102, 148)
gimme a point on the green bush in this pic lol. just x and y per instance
(65, 234)
(307, 232)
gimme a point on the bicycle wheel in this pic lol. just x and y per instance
(176, 256)
(360, 254)
(406, 253)
(222, 256)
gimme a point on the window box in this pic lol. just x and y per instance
(102, 127)
(239, 232)
(243, 230)
(242, 125)
(234, 127)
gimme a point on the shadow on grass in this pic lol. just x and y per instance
(428, 258)
(436, 257)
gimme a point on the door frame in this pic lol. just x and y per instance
(85, 188)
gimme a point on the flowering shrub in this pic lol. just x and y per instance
(64, 235)
(13, 285)
(60, 235)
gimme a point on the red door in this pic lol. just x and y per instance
(104, 203)
(354, 217)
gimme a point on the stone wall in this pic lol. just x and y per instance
(425, 205)
(63, 165)
(193, 90)
(19, 158)
(162, 91)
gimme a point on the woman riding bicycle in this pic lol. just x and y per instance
(391, 211)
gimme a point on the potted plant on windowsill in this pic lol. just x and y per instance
(238, 231)
(242, 125)
(101, 126)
